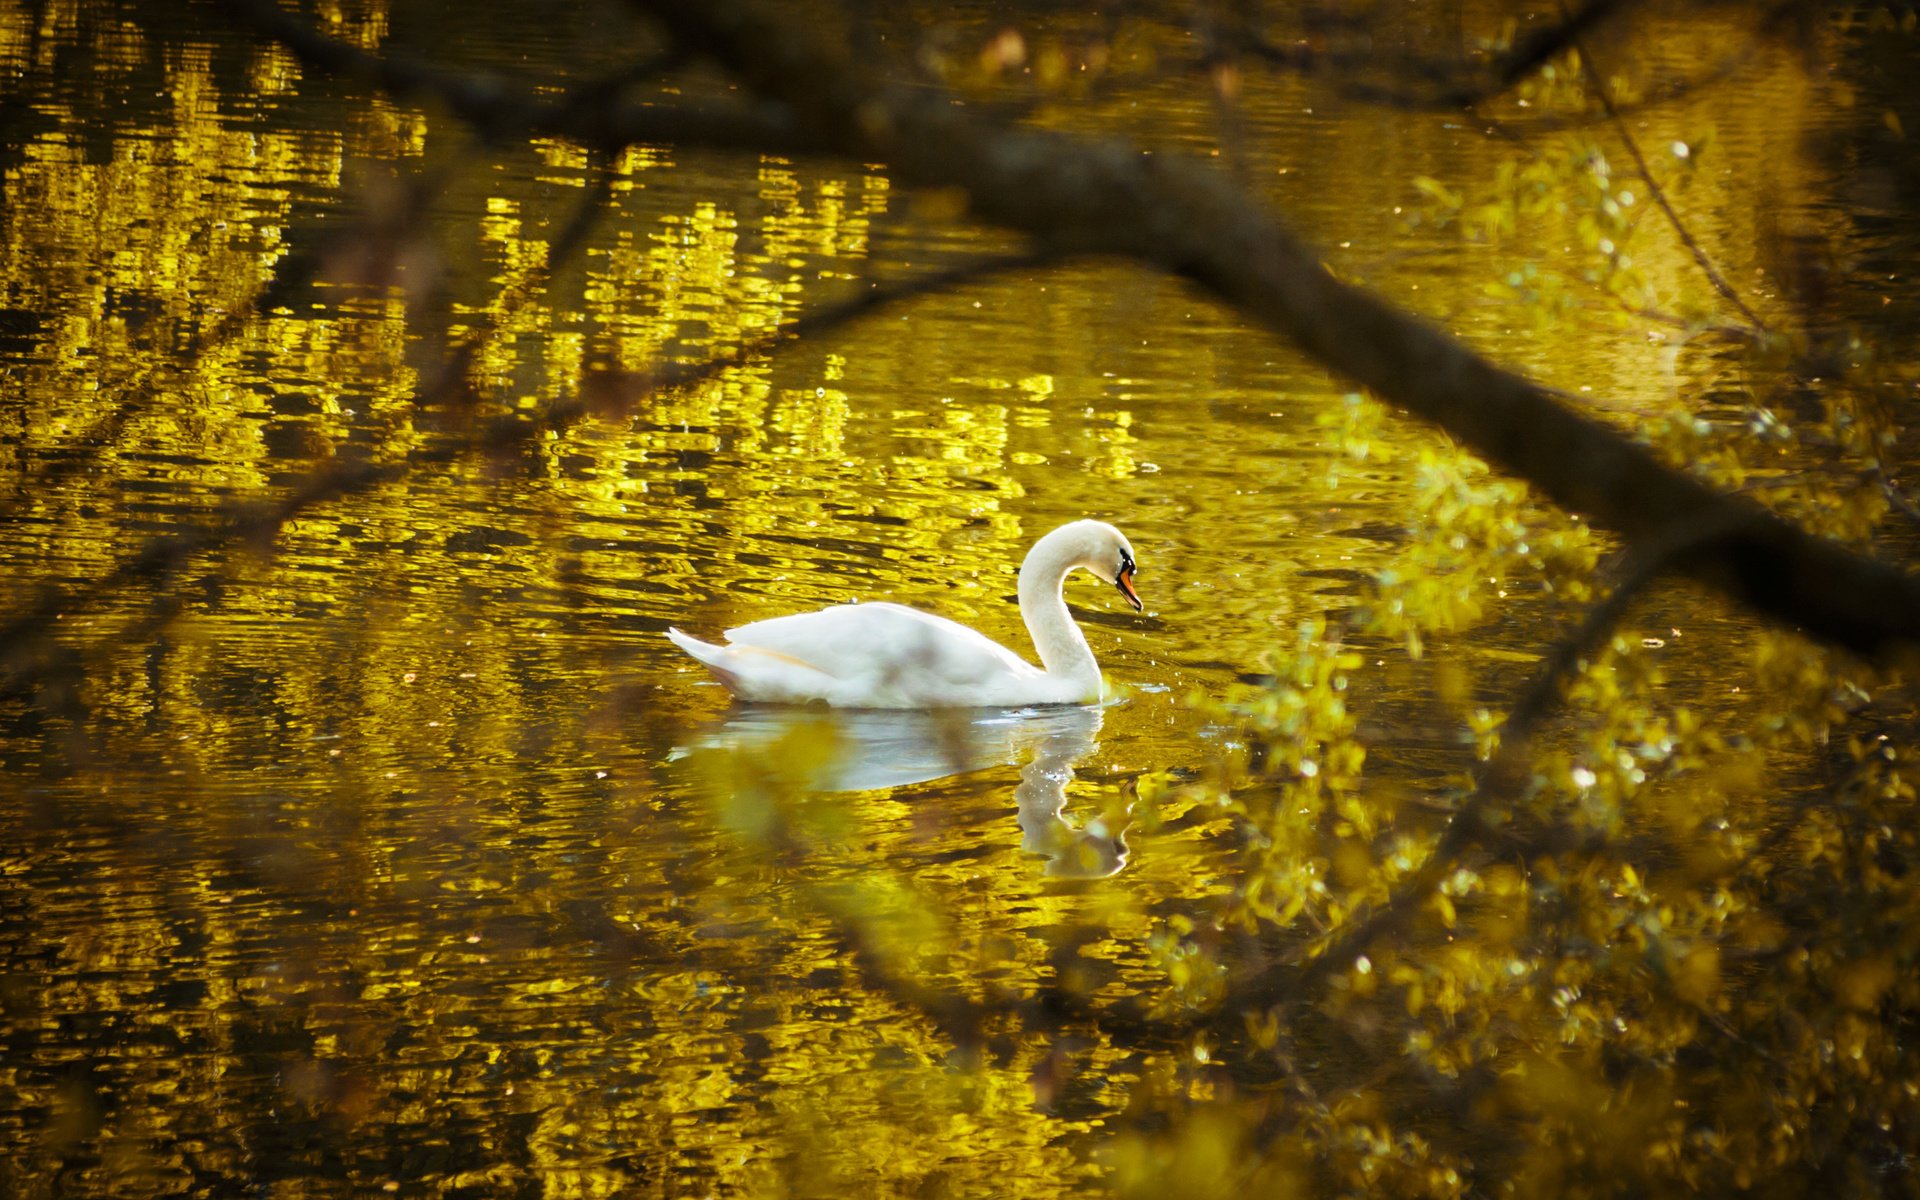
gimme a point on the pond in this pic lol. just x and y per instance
(396, 850)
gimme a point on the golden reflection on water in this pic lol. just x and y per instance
(375, 866)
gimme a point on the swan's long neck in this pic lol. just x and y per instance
(1062, 647)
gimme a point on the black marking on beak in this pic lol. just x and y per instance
(1124, 581)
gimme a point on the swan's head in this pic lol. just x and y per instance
(1098, 547)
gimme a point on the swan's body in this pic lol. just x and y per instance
(890, 656)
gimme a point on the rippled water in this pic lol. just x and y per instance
(404, 853)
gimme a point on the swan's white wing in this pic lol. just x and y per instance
(886, 641)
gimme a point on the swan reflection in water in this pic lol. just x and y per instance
(881, 749)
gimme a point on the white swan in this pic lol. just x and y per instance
(890, 656)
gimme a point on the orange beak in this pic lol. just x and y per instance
(1124, 581)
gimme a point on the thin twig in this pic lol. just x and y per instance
(603, 392)
(490, 110)
(1659, 193)
(256, 523)
(1502, 776)
(1898, 499)
(1447, 92)
(141, 387)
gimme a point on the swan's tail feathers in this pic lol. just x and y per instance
(709, 655)
(755, 673)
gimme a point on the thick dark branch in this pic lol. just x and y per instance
(592, 115)
(1537, 50)
(1077, 195)
(1443, 87)
(1727, 67)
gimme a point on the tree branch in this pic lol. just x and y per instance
(591, 115)
(1077, 195)
(1687, 239)
(1447, 91)
(604, 392)
(1502, 777)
